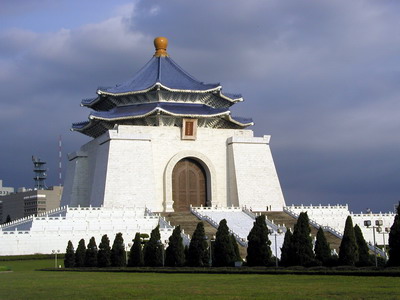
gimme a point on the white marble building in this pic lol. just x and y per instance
(162, 141)
(167, 141)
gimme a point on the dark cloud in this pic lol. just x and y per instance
(321, 76)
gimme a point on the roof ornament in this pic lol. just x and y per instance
(161, 44)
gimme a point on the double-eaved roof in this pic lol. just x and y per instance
(164, 89)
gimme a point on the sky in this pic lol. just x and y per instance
(321, 77)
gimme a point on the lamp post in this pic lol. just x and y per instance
(387, 230)
(209, 248)
(55, 252)
(378, 224)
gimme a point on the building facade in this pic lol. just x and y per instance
(5, 190)
(167, 141)
(30, 202)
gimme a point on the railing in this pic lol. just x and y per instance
(311, 222)
(269, 223)
(185, 238)
(346, 207)
(167, 225)
(164, 223)
(148, 212)
(209, 220)
(30, 218)
(333, 231)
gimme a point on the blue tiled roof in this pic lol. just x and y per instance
(80, 125)
(243, 120)
(233, 96)
(138, 110)
(160, 70)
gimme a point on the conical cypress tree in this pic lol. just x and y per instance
(80, 254)
(259, 251)
(364, 259)
(153, 249)
(136, 254)
(175, 253)
(394, 241)
(303, 253)
(322, 249)
(236, 249)
(198, 252)
(104, 253)
(91, 254)
(186, 251)
(287, 250)
(118, 255)
(69, 259)
(224, 253)
(348, 251)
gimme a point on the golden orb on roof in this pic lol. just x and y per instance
(161, 44)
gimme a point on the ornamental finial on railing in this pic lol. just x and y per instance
(161, 44)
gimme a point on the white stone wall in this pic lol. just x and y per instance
(53, 231)
(132, 165)
(335, 217)
(380, 238)
(257, 182)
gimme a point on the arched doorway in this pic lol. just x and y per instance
(189, 185)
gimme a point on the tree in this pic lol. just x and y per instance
(198, 253)
(8, 219)
(69, 259)
(348, 251)
(153, 251)
(224, 253)
(236, 249)
(303, 254)
(80, 254)
(364, 259)
(259, 250)
(186, 251)
(322, 249)
(175, 253)
(104, 253)
(91, 254)
(136, 253)
(287, 250)
(394, 240)
(118, 255)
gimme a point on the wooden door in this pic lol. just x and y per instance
(188, 185)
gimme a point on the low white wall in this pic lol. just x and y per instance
(335, 217)
(52, 232)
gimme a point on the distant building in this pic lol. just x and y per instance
(30, 202)
(5, 190)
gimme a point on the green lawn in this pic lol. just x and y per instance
(25, 283)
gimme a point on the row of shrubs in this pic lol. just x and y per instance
(150, 252)
(297, 249)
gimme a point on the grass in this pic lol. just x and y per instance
(4, 268)
(26, 283)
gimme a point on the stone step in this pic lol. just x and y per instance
(188, 223)
(281, 217)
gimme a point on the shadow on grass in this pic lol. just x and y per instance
(298, 270)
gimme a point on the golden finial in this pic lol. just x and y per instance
(161, 44)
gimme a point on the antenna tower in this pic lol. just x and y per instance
(60, 160)
(39, 168)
